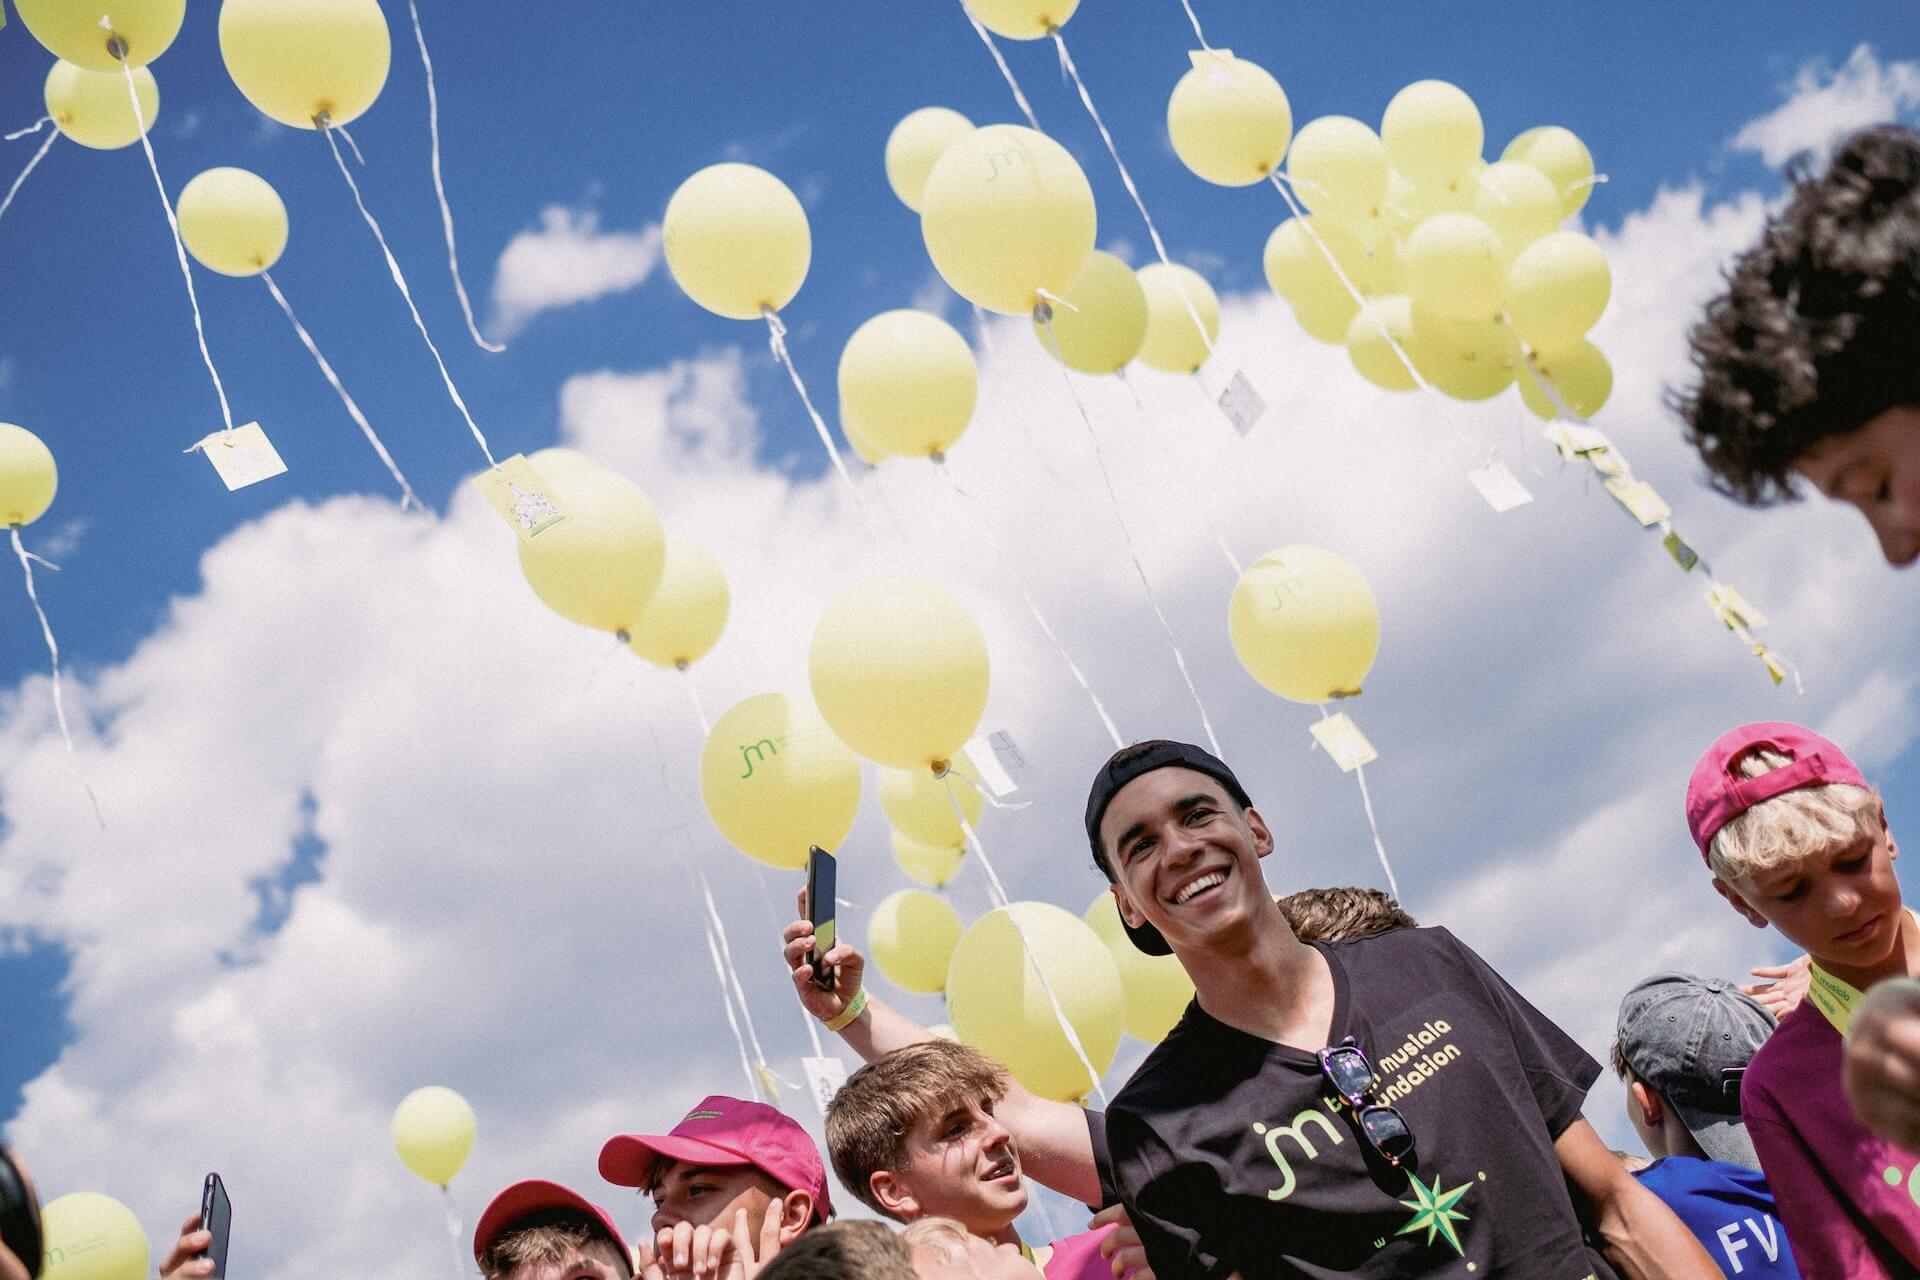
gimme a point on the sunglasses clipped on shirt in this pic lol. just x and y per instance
(1347, 1069)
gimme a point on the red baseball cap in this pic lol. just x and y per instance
(1717, 793)
(524, 1199)
(725, 1131)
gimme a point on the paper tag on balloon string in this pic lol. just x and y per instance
(1641, 501)
(824, 1078)
(1733, 609)
(521, 496)
(1683, 555)
(1243, 405)
(1584, 444)
(1774, 669)
(1341, 738)
(991, 763)
(1500, 487)
(242, 456)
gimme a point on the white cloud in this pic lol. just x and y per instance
(568, 260)
(1824, 104)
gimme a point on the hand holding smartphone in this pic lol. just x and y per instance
(820, 911)
(216, 1218)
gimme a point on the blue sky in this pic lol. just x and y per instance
(599, 110)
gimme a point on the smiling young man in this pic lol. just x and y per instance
(1386, 1106)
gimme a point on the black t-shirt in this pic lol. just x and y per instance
(1232, 1154)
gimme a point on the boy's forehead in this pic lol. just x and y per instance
(1145, 795)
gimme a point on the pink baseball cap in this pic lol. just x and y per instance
(725, 1131)
(523, 1200)
(1717, 793)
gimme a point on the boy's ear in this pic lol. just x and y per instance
(1893, 850)
(1128, 912)
(1739, 903)
(1647, 1102)
(894, 1195)
(796, 1215)
(1262, 838)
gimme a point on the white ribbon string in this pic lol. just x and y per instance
(46, 630)
(777, 339)
(1185, 481)
(179, 249)
(1153, 233)
(439, 187)
(699, 710)
(775, 929)
(35, 127)
(1006, 72)
(980, 327)
(407, 496)
(400, 281)
(733, 974)
(454, 1233)
(1194, 18)
(1045, 314)
(1000, 899)
(351, 145)
(31, 165)
(1366, 803)
(733, 1021)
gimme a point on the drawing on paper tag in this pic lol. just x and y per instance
(521, 496)
(824, 1078)
(1683, 555)
(1641, 501)
(1341, 738)
(997, 762)
(1500, 487)
(1733, 609)
(242, 456)
(1243, 405)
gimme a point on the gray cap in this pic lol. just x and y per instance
(1691, 1040)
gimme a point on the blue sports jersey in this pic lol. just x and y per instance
(1731, 1211)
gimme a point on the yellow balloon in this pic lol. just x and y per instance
(28, 476)
(232, 221)
(999, 1005)
(433, 1131)
(919, 805)
(599, 567)
(1304, 624)
(71, 30)
(1466, 359)
(1372, 354)
(1455, 266)
(1339, 167)
(1557, 289)
(1580, 375)
(1298, 268)
(909, 383)
(688, 610)
(900, 671)
(1157, 989)
(1022, 19)
(91, 107)
(921, 138)
(1432, 132)
(1326, 318)
(88, 1236)
(1518, 202)
(1105, 321)
(299, 60)
(926, 863)
(1007, 213)
(870, 453)
(737, 240)
(911, 936)
(1383, 272)
(775, 780)
(1229, 120)
(1175, 295)
(1559, 154)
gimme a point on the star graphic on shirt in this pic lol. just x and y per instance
(1433, 1209)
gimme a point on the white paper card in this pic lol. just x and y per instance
(521, 496)
(242, 456)
(1500, 487)
(993, 773)
(1242, 404)
(1341, 738)
(824, 1078)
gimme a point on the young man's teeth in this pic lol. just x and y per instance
(1204, 882)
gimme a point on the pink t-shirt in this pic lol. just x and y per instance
(1850, 1202)
(1078, 1257)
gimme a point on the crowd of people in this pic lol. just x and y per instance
(1350, 1094)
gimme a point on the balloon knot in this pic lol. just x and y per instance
(681, 664)
(622, 636)
(938, 457)
(940, 768)
(117, 46)
(322, 120)
(1042, 312)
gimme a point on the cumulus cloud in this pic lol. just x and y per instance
(1824, 103)
(568, 259)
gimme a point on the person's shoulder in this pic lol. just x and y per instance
(1166, 1076)
(1424, 945)
(1777, 1059)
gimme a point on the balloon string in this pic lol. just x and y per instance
(53, 657)
(1179, 474)
(454, 1232)
(980, 327)
(351, 145)
(439, 186)
(1000, 899)
(699, 710)
(775, 927)
(407, 496)
(1366, 803)
(38, 156)
(1040, 620)
(726, 1000)
(1126, 178)
(393, 269)
(777, 339)
(35, 127)
(988, 797)
(1194, 18)
(179, 249)
(1045, 314)
(733, 976)
(1006, 72)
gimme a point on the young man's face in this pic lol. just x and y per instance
(709, 1195)
(1185, 857)
(1877, 469)
(1842, 904)
(961, 1164)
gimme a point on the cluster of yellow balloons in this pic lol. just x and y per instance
(89, 1236)
(928, 841)
(433, 1131)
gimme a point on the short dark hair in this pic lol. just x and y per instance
(844, 1251)
(1819, 328)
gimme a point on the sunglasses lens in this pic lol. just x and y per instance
(1348, 1070)
(1388, 1132)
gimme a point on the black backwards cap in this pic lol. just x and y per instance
(1122, 767)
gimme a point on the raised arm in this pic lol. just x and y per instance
(1642, 1237)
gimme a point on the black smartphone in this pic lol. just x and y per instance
(20, 1216)
(216, 1217)
(820, 892)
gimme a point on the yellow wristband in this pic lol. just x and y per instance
(852, 1011)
